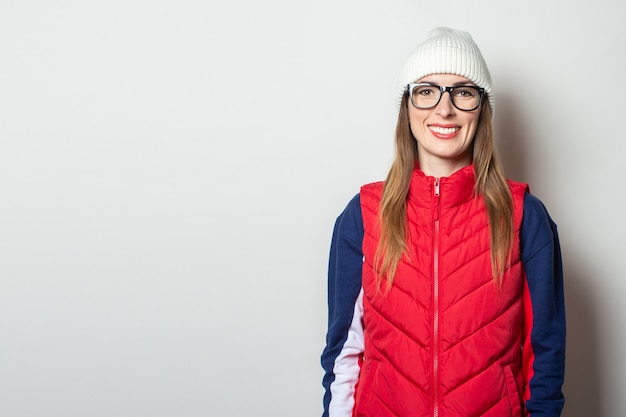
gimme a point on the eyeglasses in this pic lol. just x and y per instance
(427, 96)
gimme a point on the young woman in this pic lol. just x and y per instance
(445, 287)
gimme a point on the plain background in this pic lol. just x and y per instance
(170, 172)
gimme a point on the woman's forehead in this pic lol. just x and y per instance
(445, 79)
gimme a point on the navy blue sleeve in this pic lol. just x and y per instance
(344, 286)
(541, 256)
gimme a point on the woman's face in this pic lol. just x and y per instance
(444, 133)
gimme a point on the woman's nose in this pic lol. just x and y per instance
(445, 107)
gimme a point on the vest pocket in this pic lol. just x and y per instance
(363, 395)
(512, 392)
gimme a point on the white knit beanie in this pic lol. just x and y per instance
(447, 51)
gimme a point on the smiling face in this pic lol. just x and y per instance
(444, 133)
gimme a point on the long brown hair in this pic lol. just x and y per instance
(490, 184)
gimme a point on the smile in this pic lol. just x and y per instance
(444, 131)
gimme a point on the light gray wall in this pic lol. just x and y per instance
(170, 172)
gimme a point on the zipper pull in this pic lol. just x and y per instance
(436, 194)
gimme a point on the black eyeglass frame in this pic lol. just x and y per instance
(443, 89)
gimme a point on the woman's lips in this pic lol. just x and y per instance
(444, 131)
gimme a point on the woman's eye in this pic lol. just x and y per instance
(465, 92)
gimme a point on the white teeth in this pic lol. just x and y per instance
(444, 130)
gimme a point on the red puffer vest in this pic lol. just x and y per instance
(445, 341)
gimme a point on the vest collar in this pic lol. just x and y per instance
(456, 189)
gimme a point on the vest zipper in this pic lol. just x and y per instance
(436, 191)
